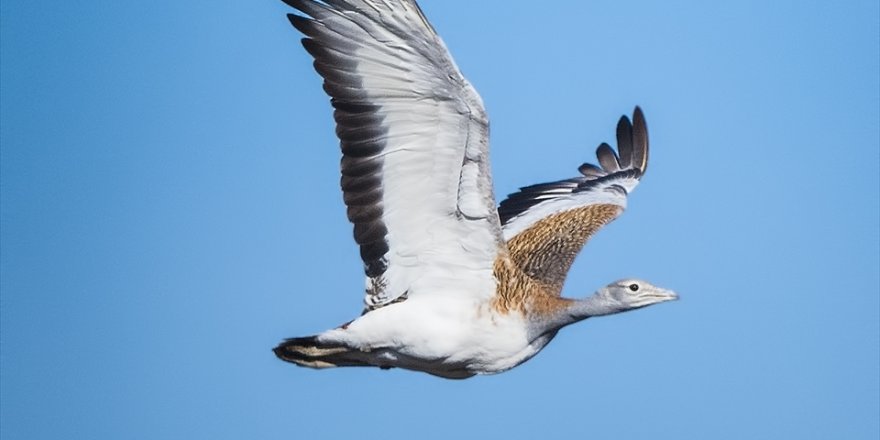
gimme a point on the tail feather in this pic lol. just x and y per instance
(309, 352)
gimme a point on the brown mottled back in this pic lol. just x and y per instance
(546, 250)
(517, 292)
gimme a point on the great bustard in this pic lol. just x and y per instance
(454, 286)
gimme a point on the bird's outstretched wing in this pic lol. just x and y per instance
(414, 138)
(546, 225)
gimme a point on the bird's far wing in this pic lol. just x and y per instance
(546, 225)
(414, 138)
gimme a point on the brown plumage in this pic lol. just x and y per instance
(519, 293)
(546, 250)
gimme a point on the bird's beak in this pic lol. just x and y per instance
(663, 295)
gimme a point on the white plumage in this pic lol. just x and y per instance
(454, 286)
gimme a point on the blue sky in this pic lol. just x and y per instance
(170, 211)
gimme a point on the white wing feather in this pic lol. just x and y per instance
(415, 142)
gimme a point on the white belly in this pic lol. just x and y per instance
(449, 337)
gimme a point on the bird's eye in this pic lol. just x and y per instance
(634, 287)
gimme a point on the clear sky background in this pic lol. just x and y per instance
(170, 211)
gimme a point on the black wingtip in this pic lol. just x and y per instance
(625, 141)
(590, 170)
(299, 22)
(632, 146)
(639, 140)
(607, 158)
(304, 6)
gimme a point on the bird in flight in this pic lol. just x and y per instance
(455, 287)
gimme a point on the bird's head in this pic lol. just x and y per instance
(619, 296)
(629, 294)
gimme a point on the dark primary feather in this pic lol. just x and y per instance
(640, 141)
(607, 158)
(359, 125)
(625, 142)
(632, 161)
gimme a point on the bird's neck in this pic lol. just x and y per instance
(589, 307)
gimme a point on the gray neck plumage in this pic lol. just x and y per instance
(591, 306)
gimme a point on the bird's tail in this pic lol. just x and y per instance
(309, 352)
